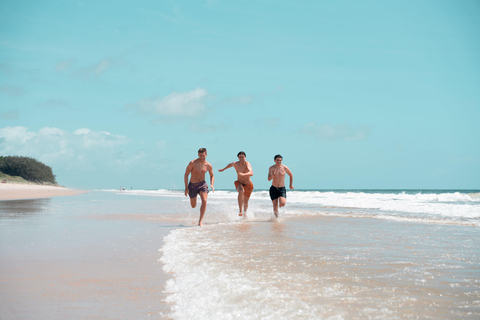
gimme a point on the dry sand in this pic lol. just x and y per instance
(12, 191)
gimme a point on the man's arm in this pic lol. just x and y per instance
(185, 178)
(271, 173)
(212, 177)
(291, 176)
(228, 166)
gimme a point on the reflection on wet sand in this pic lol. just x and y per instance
(15, 208)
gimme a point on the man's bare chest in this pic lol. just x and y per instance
(242, 168)
(281, 171)
(200, 168)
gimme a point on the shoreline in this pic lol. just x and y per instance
(14, 191)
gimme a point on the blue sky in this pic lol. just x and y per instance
(353, 94)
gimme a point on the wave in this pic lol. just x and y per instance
(145, 192)
(443, 204)
(431, 205)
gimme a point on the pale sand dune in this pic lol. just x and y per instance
(11, 191)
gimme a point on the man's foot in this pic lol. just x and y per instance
(240, 214)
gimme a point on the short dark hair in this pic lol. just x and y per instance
(202, 150)
(241, 152)
(278, 156)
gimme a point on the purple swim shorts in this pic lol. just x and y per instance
(195, 188)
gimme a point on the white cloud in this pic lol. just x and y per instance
(102, 139)
(185, 104)
(55, 146)
(338, 132)
(51, 132)
(12, 136)
(81, 131)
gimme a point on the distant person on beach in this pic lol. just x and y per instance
(243, 184)
(278, 193)
(197, 185)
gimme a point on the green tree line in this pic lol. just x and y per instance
(27, 168)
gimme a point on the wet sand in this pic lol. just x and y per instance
(79, 264)
(11, 191)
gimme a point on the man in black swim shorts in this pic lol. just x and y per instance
(278, 193)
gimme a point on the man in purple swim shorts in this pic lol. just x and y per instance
(197, 185)
(195, 188)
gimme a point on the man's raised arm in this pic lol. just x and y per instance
(228, 166)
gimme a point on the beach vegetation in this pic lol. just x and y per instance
(24, 168)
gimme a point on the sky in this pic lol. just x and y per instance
(352, 94)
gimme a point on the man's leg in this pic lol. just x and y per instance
(240, 199)
(193, 202)
(275, 207)
(203, 207)
(245, 204)
(282, 201)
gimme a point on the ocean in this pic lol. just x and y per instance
(333, 254)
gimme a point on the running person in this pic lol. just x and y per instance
(278, 193)
(243, 184)
(197, 186)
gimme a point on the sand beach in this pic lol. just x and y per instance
(12, 191)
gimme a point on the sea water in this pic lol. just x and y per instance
(375, 254)
(351, 254)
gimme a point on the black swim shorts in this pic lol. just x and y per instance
(276, 193)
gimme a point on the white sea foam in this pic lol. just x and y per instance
(145, 192)
(207, 286)
(447, 205)
(295, 269)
